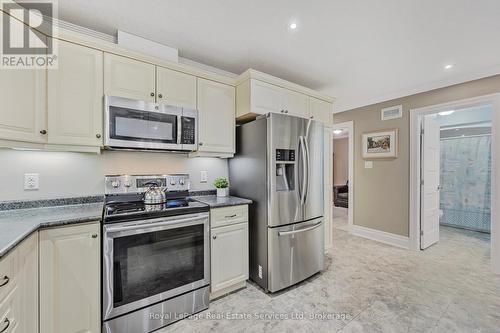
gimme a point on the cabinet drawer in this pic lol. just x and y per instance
(9, 311)
(228, 215)
(6, 275)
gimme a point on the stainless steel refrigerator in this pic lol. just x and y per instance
(279, 165)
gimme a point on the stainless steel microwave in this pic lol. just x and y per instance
(134, 124)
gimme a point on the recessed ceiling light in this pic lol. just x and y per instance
(293, 26)
(445, 113)
(337, 131)
(449, 66)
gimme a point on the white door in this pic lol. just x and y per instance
(296, 104)
(129, 78)
(229, 254)
(23, 97)
(429, 213)
(265, 97)
(70, 280)
(216, 117)
(75, 105)
(175, 88)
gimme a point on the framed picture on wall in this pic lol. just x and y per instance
(380, 144)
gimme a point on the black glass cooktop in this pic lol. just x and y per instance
(134, 210)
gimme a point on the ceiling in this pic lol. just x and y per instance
(360, 52)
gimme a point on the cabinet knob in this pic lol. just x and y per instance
(7, 324)
(282, 111)
(160, 96)
(200, 143)
(43, 132)
(312, 117)
(286, 111)
(94, 235)
(214, 236)
(98, 136)
(152, 94)
(5, 281)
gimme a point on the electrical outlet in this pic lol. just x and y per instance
(203, 176)
(31, 181)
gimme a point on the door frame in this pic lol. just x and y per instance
(416, 116)
(350, 210)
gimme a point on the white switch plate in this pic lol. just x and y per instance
(31, 181)
(368, 164)
(203, 176)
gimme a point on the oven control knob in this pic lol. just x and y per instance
(127, 183)
(115, 183)
(181, 182)
(172, 182)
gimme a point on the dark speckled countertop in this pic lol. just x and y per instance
(214, 201)
(17, 224)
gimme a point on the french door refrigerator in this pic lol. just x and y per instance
(279, 165)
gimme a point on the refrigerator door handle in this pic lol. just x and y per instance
(304, 170)
(286, 233)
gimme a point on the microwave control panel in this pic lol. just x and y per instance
(188, 135)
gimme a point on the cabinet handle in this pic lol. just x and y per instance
(230, 216)
(160, 96)
(282, 111)
(152, 94)
(6, 280)
(214, 237)
(98, 136)
(7, 321)
(94, 235)
(43, 132)
(312, 117)
(286, 111)
(200, 143)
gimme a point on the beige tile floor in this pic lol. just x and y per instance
(371, 287)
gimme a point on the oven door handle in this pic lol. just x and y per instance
(146, 226)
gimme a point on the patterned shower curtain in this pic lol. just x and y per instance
(466, 182)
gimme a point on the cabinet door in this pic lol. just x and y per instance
(23, 111)
(216, 117)
(128, 78)
(75, 105)
(320, 110)
(70, 279)
(296, 104)
(175, 88)
(265, 97)
(229, 252)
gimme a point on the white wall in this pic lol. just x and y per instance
(65, 174)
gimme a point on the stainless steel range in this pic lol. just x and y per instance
(156, 264)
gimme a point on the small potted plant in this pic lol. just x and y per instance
(222, 185)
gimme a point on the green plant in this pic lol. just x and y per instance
(221, 182)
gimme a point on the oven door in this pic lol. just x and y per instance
(148, 261)
(141, 125)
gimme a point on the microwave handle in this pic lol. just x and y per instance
(179, 129)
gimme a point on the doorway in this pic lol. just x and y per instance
(453, 175)
(342, 177)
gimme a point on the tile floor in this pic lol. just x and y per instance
(371, 287)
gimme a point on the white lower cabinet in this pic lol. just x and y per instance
(70, 279)
(229, 250)
(19, 288)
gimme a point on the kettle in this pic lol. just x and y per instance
(154, 194)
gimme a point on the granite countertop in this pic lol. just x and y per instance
(17, 224)
(214, 201)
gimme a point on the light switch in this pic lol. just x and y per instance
(203, 176)
(368, 164)
(31, 181)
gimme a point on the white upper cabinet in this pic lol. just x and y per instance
(129, 78)
(295, 103)
(265, 97)
(175, 88)
(320, 110)
(23, 98)
(75, 91)
(216, 117)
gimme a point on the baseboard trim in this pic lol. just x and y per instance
(381, 236)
